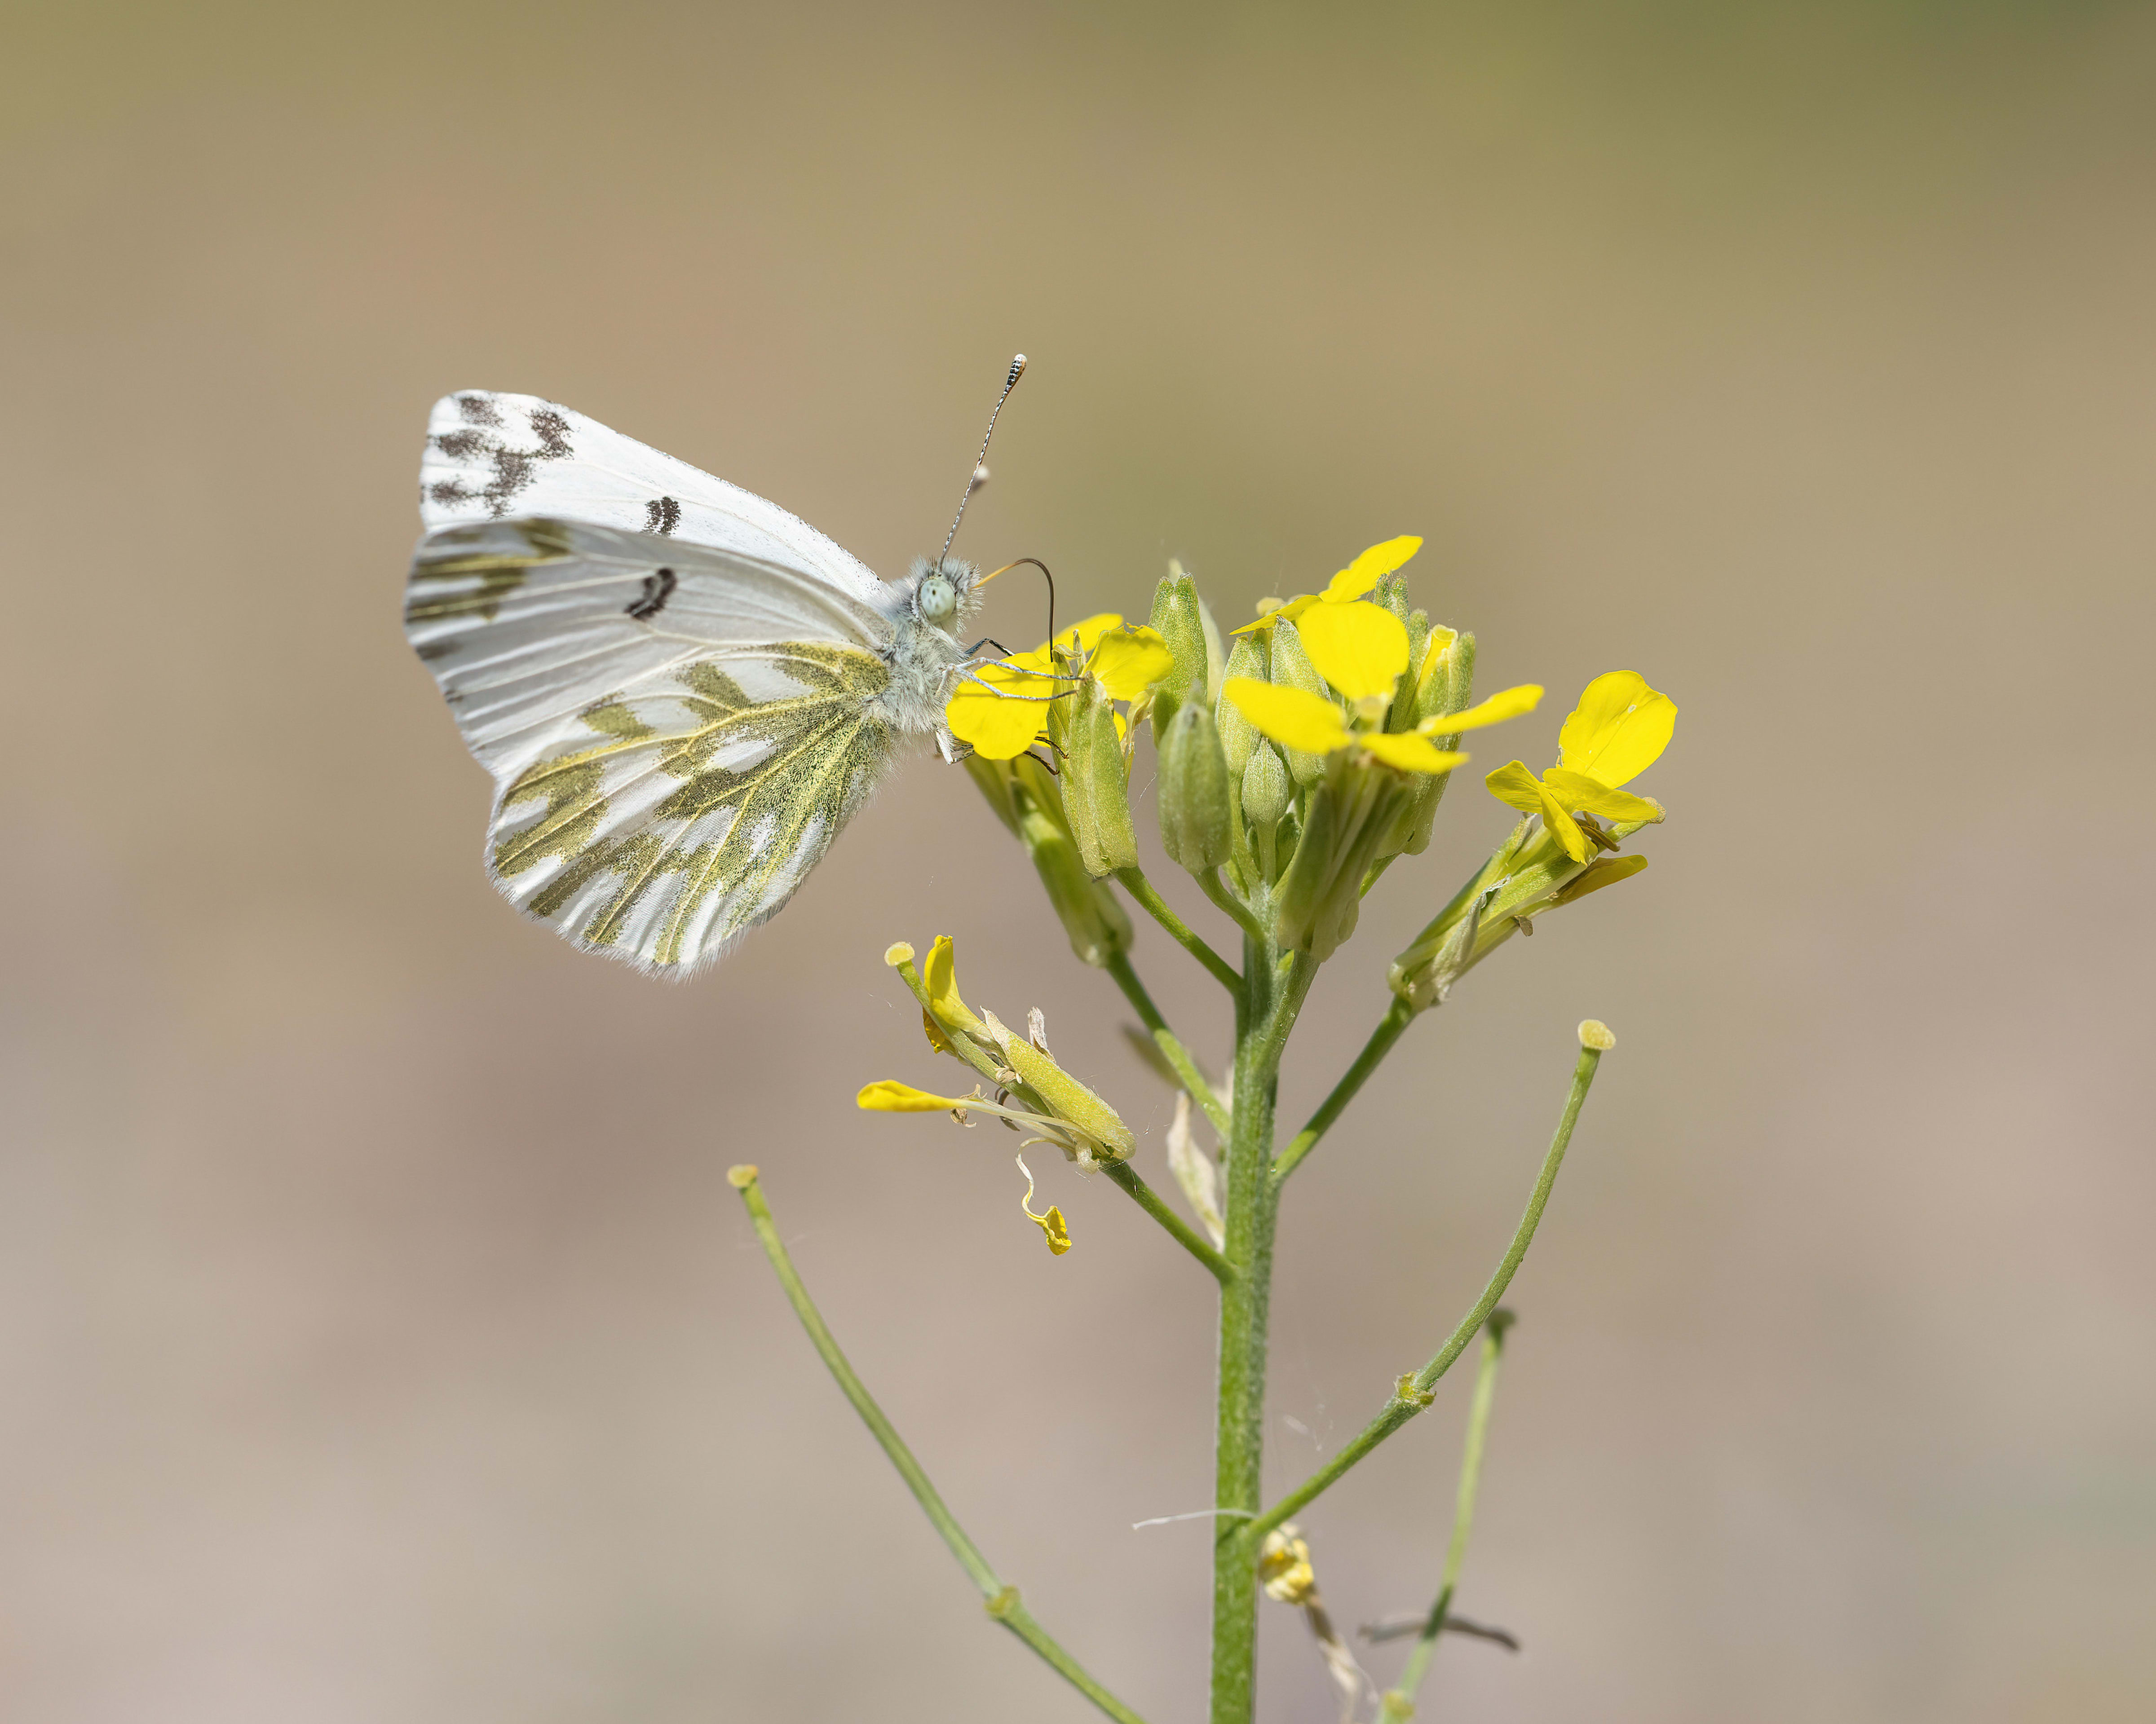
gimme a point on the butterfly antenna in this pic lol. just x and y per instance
(980, 473)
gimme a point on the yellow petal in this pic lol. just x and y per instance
(1619, 730)
(939, 977)
(1581, 790)
(934, 1031)
(1084, 637)
(1000, 713)
(1508, 703)
(889, 1096)
(1409, 752)
(1303, 720)
(1360, 648)
(1128, 661)
(1360, 577)
(1515, 786)
(1280, 612)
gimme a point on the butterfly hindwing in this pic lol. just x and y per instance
(676, 731)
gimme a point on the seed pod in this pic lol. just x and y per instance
(1194, 811)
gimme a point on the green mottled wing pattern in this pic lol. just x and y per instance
(674, 734)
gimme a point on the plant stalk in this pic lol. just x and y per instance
(1002, 1600)
(1397, 1706)
(1413, 1392)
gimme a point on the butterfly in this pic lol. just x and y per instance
(682, 690)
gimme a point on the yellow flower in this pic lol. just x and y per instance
(1001, 709)
(1358, 580)
(1619, 730)
(1317, 726)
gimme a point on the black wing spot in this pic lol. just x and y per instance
(658, 587)
(553, 434)
(478, 410)
(662, 517)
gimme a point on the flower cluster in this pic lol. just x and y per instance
(1297, 759)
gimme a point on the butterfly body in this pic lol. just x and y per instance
(682, 690)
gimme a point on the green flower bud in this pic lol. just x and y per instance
(1238, 737)
(1447, 684)
(1393, 594)
(1096, 783)
(1176, 614)
(1266, 787)
(1402, 716)
(1216, 658)
(1194, 810)
(1291, 668)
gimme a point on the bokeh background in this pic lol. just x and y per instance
(379, 1338)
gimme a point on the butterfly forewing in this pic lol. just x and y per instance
(490, 455)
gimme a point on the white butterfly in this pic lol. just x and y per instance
(683, 691)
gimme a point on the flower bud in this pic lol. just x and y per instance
(1402, 717)
(1194, 811)
(1265, 786)
(1291, 668)
(1095, 782)
(1238, 737)
(1446, 684)
(1176, 614)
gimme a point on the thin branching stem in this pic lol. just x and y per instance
(1226, 901)
(1399, 1704)
(1002, 1600)
(1169, 1043)
(1413, 1392)
(1142, 889)
(1390, 1027)
(1124, 1174)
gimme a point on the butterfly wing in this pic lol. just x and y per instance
(490, 455)
(676, 731)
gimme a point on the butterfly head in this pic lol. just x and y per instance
(943, 593)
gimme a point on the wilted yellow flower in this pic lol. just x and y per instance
(1619, 730)
(1051, 1225)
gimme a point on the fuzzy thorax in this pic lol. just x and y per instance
(928, 609)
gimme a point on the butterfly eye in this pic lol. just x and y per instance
(939, 599)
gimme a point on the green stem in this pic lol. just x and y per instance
(1002, 1600)
(1412, 1394)
(1390, 1029)
(1171, 1047)
(1140, 888)
(1399, 1704)
(1227, 902)
(1128, 1177)
(1246, 1304)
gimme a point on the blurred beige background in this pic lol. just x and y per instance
(378, 1339)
